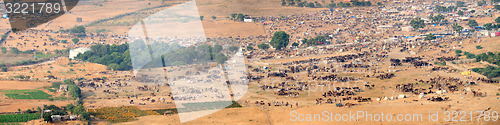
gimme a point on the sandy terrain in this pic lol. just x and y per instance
(12, 85)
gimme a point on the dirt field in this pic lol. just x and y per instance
(12, 105)
(12, 85)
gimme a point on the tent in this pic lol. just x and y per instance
(466, 73)
(402, 96)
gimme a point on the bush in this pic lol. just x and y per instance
(233, 48)
(75, 40)
(4, 50)
(458, 52)
(3, 68)
(77, 29)
(221, 58)
(249, 47)
(14, 50)
(238, 17)
(443, 63)
(263, 46)
(56, 85)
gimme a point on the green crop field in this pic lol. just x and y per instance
(14, 123)
(26, 94)
(18, 117)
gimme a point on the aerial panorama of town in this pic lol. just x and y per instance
(251, 62)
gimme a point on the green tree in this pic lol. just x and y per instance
(460, 12)
(472, 24)
(69, 82)
(497, 20)
(316, 40)
(3, 68)
(302, 4)
(436, 19)
(280, 40)
(70, 107)
(46, 117)
(417, 23)
(481, 3)
(4, 50)
(332, 5)
(77, 29)
(217, 48)
(214, 17)
(263, 46)
(201, 17)
(78, 110)
(310, 4)
(38, 109)
(75, 40)
(240, 17)
(220, 58)
(457, 28)
(85, 116)
(75, 91)
(56, 85)
(488, 26)
(318, 5)
(249, 47)
(430, 37)
(14, 50)
(460, 4)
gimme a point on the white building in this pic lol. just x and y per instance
(74, 52)
(247, 19)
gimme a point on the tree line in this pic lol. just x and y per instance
(490, 57)
(281, 40)
(117, 57)
(493, 26)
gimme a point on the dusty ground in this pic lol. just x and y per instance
(13, 85)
